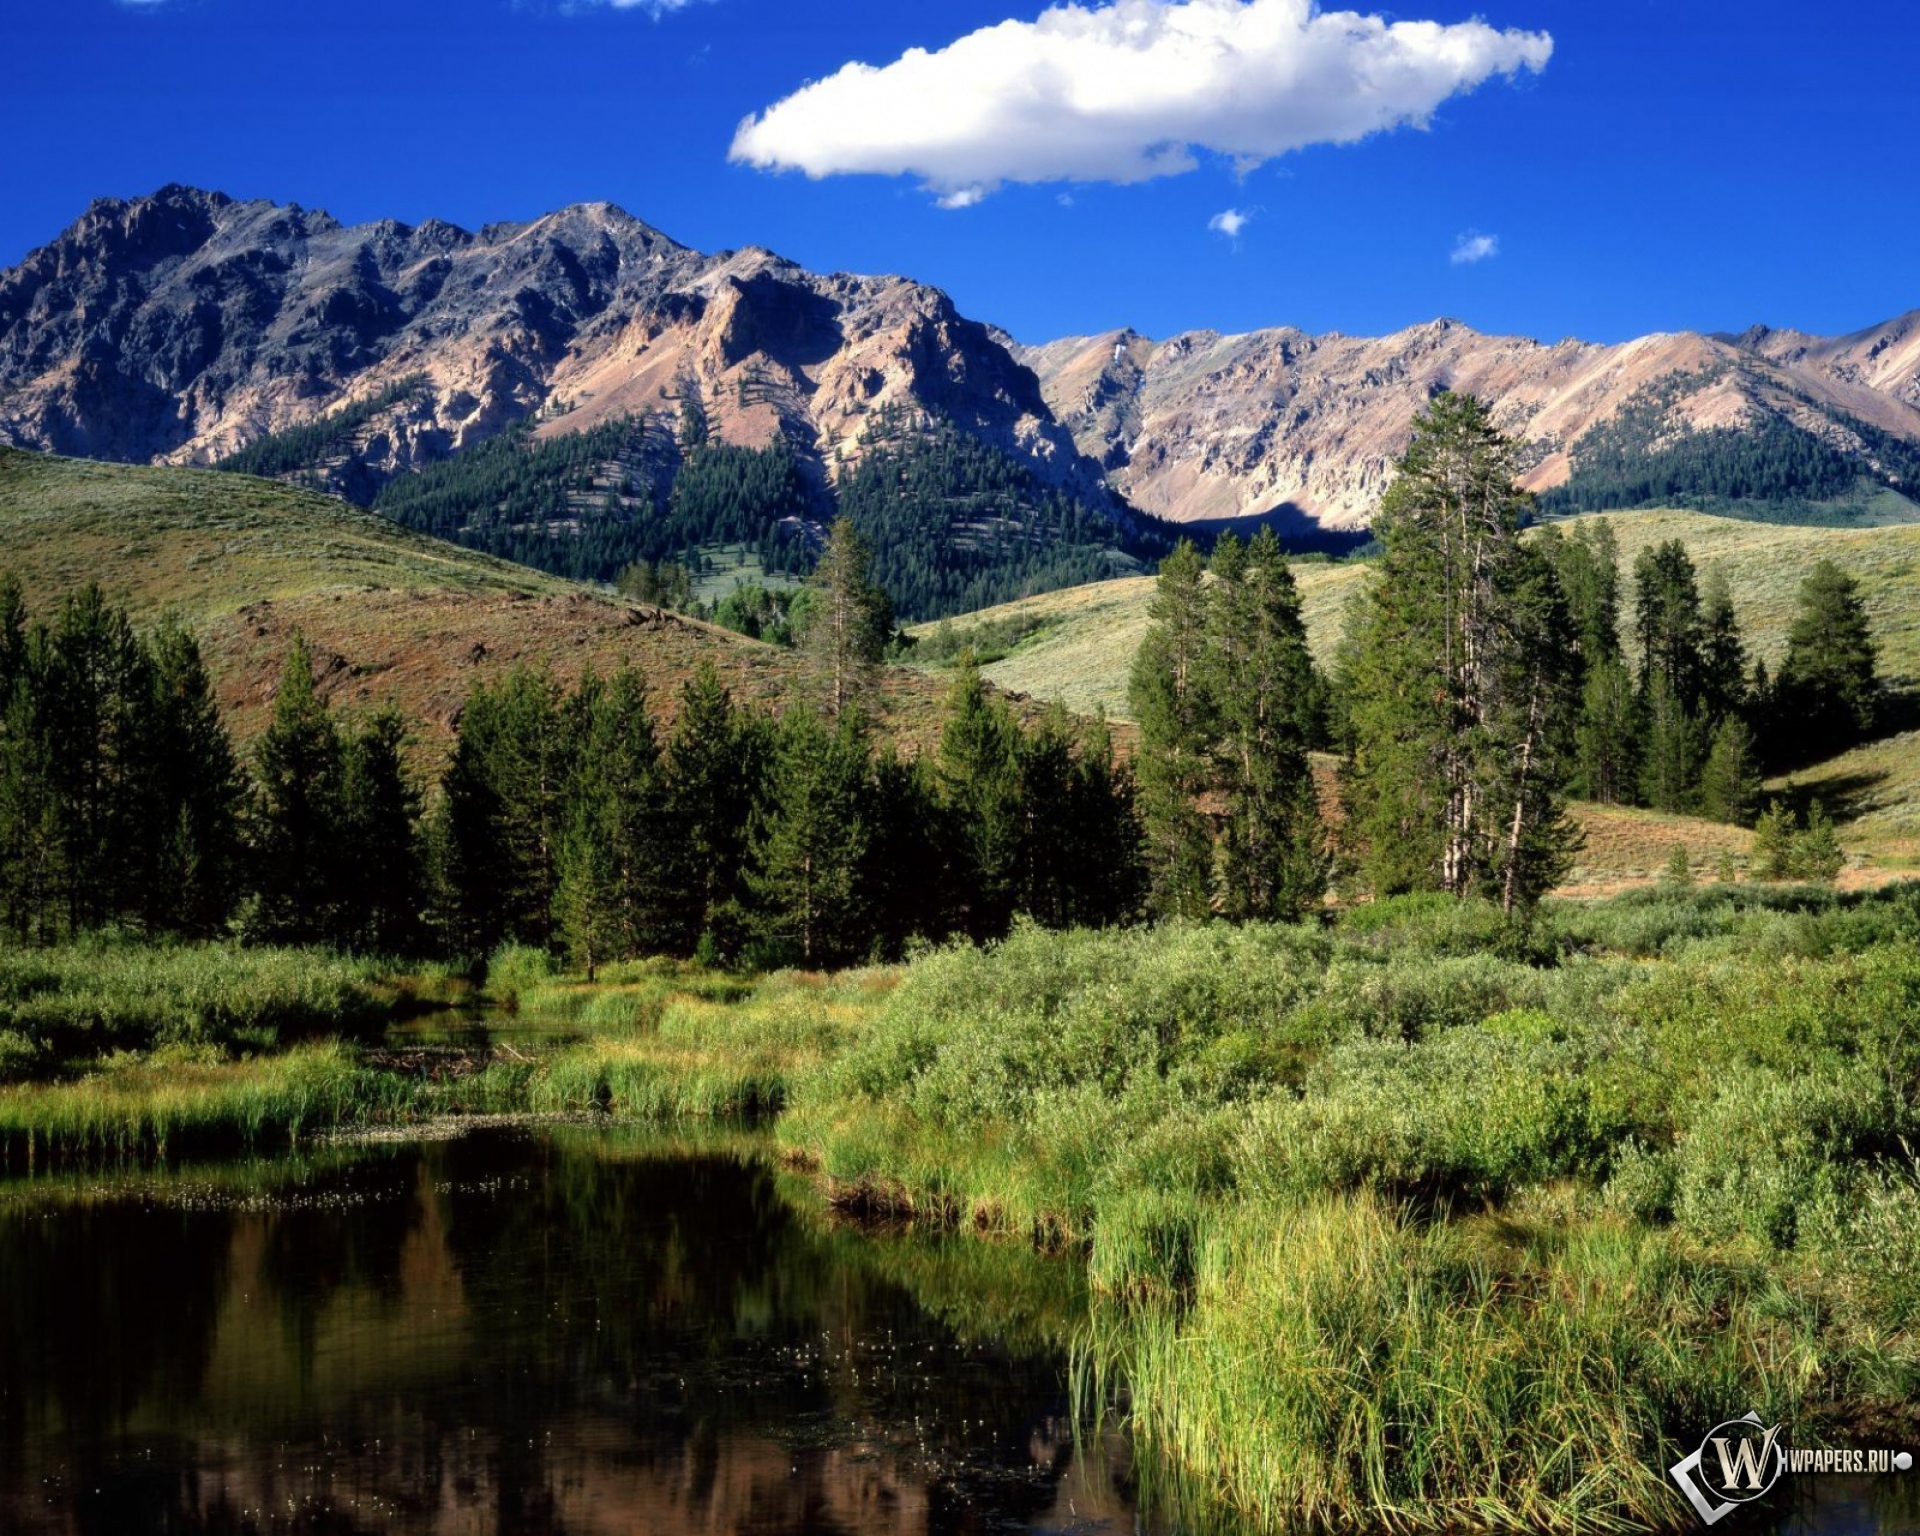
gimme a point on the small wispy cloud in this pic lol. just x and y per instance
(1230, 222)
(1474, 246)
(654, 8)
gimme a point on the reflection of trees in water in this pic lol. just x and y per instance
(536, 1336)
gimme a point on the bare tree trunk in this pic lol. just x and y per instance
(1511, 883)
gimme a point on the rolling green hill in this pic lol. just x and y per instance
(1079, 644)
(1082, 640)
(391, 615)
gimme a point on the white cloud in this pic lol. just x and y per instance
(1474, 246)
(1230, 223)
(1129, 91)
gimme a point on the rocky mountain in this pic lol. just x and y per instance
(1203, 426)
(180, 327)
(185, 326)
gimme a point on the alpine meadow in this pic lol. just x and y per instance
(654, 887)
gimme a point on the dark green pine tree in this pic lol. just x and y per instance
(13, 634)
(849, 619)
(1730, 778)
(1464, 679)
(1827, 692)
(979, 774)
(1607, 738)
(712, 767)
(1723, 654)
(382, 896)
(1271, 862)
(1167, 693)
(503, 812)
(1107, 850)
(97, 690)
(29, 831)
(1532, 720)
(617, 895)
(1042, 798)
(810, 839)
(906, 881)
(1587, 564)
(195, 879)
(1667, 622)
(296, 820)
(1670, 757)
(1606, 742)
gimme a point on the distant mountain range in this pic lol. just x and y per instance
(183, 327)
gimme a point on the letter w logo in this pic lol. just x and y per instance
(1749, 1462)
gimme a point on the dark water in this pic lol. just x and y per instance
(567, 1330)
(523, 1332)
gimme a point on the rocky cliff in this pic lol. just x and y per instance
(183, 326)
(180, 327)
(1204, 426)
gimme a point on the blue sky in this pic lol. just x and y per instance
(1584, 168)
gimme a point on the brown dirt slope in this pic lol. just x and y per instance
(391, 616)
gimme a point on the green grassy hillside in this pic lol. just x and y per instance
(1083, 639)
(391, 615)
(1078, 645)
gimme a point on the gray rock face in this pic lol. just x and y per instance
(182, 326)
(1205, 426)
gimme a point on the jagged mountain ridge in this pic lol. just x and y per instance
(181, 327)
(1206, 426)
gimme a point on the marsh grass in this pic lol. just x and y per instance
(178, 1101)
(68, 1006)
(1417, 1220)
(669, 1041)
(1340, 1365)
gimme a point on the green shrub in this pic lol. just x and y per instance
(1469, 1114)
(20, 1057)
(516, 969)
(1644, 1183)
(1768, 1150)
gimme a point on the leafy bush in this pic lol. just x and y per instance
(1767, 1150)
(88, 1000)
(515, 970)
(1471, 1113)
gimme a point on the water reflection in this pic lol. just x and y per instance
(529, 1333)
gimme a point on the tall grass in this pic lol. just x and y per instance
(669, 1042)
(82, 1001)
(1339, 1365)
(179, 1101)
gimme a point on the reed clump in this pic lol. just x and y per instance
(178, 1101)
(80, 1002)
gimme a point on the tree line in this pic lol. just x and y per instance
(572, 818)
(1480, 684)
(1644, 457)
(956, 523)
